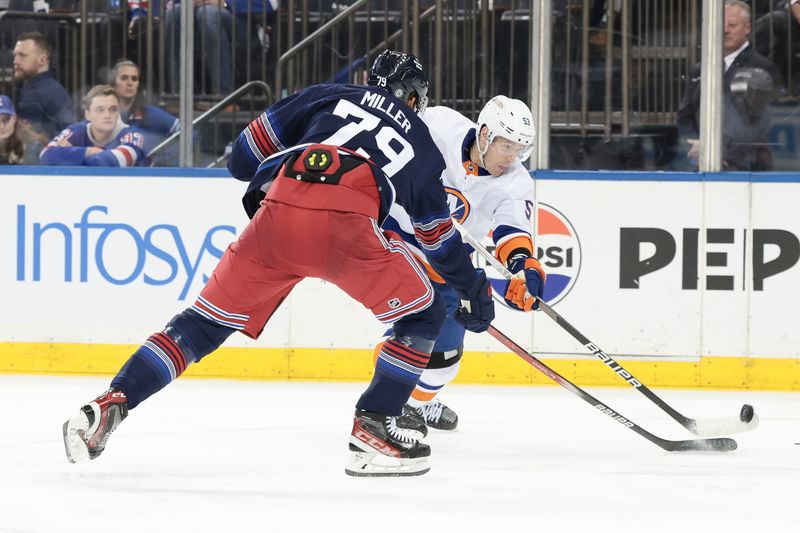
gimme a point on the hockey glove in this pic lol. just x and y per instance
(528, 281)
(477, 307)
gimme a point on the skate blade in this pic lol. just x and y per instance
(372, 464)
(447, 430)
(73, 444)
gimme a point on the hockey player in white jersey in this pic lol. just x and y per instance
(489, 190)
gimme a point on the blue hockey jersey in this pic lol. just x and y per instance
(69, 148)
(155, 123)
(378, 126)
(152, 118)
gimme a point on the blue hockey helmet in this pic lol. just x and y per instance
(402, 75)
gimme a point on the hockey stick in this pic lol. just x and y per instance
(747, 419)
(715, 444)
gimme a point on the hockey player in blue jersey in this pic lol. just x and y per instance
(103, 139)
(367, 122)
(325, 167)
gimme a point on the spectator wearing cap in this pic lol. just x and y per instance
(42, 101)
(16, 139)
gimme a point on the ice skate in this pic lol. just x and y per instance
(86, 434)
(435, 415)
(379, 447)
(412, 420)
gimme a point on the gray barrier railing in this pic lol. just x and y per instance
(627, 67)
(618, 67)
(212, 113)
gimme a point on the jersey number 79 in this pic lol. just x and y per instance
(368, 123)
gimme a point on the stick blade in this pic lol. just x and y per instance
(702, 445)
(724, 426)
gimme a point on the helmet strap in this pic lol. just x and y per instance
(481, 151)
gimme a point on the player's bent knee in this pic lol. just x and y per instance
(445, 359)
(426, 323)
(196, 335)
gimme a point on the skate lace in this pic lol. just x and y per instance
(432, 411)
(406, 436)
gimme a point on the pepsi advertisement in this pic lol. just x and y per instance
(645, 266)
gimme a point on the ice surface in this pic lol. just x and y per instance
(213, 455)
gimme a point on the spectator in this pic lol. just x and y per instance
(212, 40)
(252, 21)
(16, 137)
(42, 102)
(121, 31)
(155, 123)
(777, 36)
(103, 139)
(753, 79)
(138, 14)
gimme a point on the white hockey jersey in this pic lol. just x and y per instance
(481, 202)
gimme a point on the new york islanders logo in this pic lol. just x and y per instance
(458, 204)
(559, 250)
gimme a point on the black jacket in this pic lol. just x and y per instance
(45, 104)
(745, 115)
(777, 36)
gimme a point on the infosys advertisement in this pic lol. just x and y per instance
(650, 268)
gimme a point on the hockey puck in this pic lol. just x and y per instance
(746, 415)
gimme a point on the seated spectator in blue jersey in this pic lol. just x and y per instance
(155, 123)
(19, 144)
(212, 40)
(103, 139)
(42, 101)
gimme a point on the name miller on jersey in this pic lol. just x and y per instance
(377, 101)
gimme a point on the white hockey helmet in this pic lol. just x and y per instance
(508, 118)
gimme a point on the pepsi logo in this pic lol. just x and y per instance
(558, 248)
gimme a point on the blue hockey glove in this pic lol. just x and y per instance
(477, 309)
(519, 294)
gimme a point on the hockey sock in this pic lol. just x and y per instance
(164, 356)
(376, 352)
(431, 382)
(442, 369)
(398, 369)
(151, 368)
